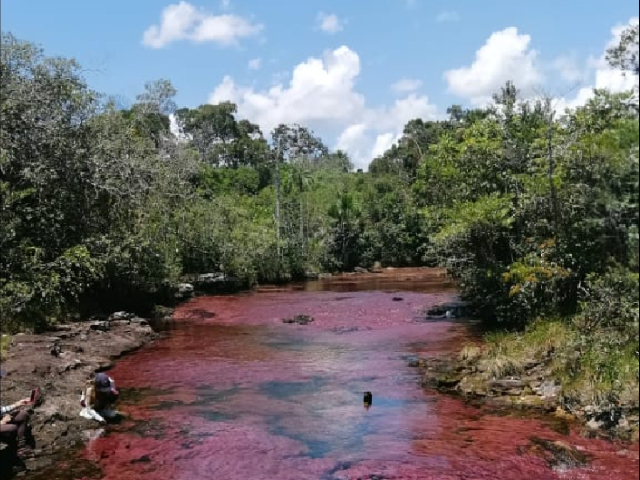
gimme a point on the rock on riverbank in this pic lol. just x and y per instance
(59, 362)
(534, 390)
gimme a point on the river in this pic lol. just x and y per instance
(233, 393)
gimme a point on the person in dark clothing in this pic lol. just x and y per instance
(15, 429)
(99, 398)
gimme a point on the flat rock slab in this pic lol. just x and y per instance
(61, 374)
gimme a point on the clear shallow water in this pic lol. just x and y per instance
(233, 393)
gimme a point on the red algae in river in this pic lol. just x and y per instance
(232, 393)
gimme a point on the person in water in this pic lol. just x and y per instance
(15, 429)
(367, 400)
(99, 398)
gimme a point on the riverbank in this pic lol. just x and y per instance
(59, 362)
(540, 371)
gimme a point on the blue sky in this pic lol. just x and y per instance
(377, 63)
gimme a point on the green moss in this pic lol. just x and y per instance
(5, 341)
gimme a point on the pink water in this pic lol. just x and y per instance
(234, 394)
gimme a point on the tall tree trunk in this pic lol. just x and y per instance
(278, 204)
(302, 243)
(550, 173)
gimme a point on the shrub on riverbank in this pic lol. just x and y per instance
(542, 231)
(592, 356)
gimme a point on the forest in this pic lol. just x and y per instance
(534, 211)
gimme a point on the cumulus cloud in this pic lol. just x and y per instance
(330, 23)
(409, 3)
(448, 16)
(255, 64)
(506, 55)
(405, 85)
(321, 94)
(183, 21)
(568, 68)
(602, 75)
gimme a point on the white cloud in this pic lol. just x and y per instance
(448, 16)
(506, 55)
(330, 23)
(405, 85)
(183, 21)
(355, 140)
(255, 64)
(568, 68)
(602, 75)
(409, 3)
(320, 90)
(321, 94)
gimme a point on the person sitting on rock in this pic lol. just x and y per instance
(15, 429)
(99, 398)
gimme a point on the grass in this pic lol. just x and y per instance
(470, 353)
(511, 353)
(604, 372)
(595, 369)
(5, 341)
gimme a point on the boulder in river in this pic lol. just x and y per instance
(212, 277)
(377, 268)
(299, 320)
(455, 309)
(184, 290)
(217, 282)
(101, 326)
(558, 454)
(120, 316)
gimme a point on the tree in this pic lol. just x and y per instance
(298, 178)
(220, 139)
(158, 97)
(338, 161)
(346, 232)
(250, 147)
(211, 128)
(403, 158)
(295, 141)
(625, 55)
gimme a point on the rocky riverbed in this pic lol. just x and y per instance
(60, 362)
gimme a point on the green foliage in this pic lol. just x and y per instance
(523, 208)
(610, 302)
(538, 217)
(624, 56)
(5, 342)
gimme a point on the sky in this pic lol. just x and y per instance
(353, 71)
